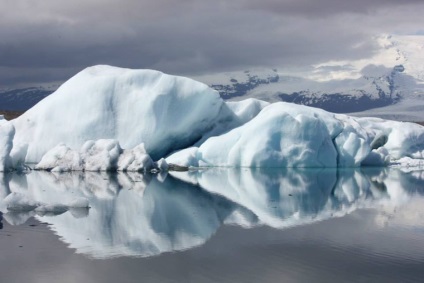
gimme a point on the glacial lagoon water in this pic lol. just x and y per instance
(217, 225)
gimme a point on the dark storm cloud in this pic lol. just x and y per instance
(52, 39)
(324, 8)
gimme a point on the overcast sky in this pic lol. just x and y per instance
(50, 40)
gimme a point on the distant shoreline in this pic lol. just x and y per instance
(9, 115)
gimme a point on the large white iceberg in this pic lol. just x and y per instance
(108, 118)
(131, 106)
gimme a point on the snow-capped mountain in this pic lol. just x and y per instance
(342, 96)
(22, 99)
(237, 84)
(393, 78)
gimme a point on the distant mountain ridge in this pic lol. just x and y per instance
(250, 81)
(22, 99)
(393, 77)
(369, 92)
(377, 92)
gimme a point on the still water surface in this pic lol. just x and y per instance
(220, 225)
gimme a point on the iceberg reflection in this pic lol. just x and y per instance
(133, 214)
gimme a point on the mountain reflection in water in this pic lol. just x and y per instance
(144, 215)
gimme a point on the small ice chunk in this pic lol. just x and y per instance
(61, 158)
(185, 157)
(135, 160)
(162, 165)
(100, 155)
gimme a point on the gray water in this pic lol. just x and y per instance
(220, 225)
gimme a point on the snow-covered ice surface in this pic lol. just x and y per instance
(134, 214)
(107, 119)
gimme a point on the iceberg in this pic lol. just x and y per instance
(274, 138)
(130, 106)
(289, 135)
(113, 119)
